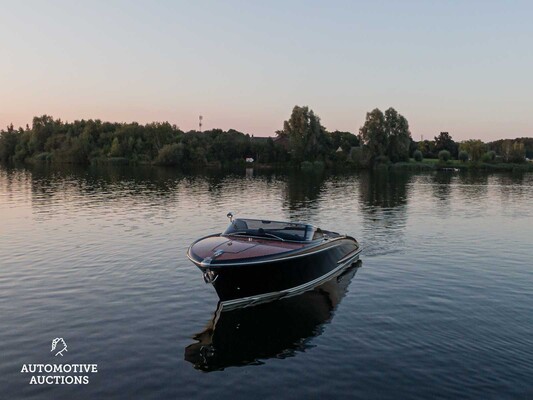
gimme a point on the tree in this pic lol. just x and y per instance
(398, 134)
(444, 155)
(427, 147)
(8, 143)
(116, 150)
(498, 145)
(445, 142)
(344, 140)
(463, 156)
(474, 148)
(373, 134)
(386, 135)
(170, 154)
(417, 155)
(308, 139)
(513, 151)
(42, 128)
(489, 156)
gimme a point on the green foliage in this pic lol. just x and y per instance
(399, 136)
(384, 138)
(444, 155)
(463, 156)
(382, 160)
(116, 150)
(386, 135)
(513, 151)
(42, 128)
(474, 148)
(489, 156)
(427, 148)
(319, 165)
(8, 144)
(43, 157)
(360, 156)
(343, 140)
(445, 142)
(306, 165)
(170, 154)
(498, 145)
(104, 142)
(308, 139)
(373, 134)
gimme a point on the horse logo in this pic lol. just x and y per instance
(54, 345)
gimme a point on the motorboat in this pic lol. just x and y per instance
(257, 260)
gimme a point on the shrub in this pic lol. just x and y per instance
(170, 154)
(306, 165)
(318, 165)
(417, 155)
(463, 156)
(360, 156)
(382, 160)
(43, 157)
(444, 155)
(489, 156)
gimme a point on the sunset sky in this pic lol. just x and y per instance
(457, 66)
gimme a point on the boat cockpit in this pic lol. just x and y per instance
(284, 231)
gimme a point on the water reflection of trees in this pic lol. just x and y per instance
(279, 329)
(441, 186)
(471, 194)
(48, 181)
(79, 188)
(383, 189)
(514, 190)
(384, 196)
(303, 193)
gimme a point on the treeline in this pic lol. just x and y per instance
(384, 138)
(94, 141)
(445, 148)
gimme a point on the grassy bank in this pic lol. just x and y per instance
(435, 164)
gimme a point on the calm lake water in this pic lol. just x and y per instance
(441, 306)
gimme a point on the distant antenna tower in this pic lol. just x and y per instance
(421, 138)
(200, 118)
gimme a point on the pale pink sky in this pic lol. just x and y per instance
(461, 67)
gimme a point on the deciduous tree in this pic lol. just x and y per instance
(474, 148)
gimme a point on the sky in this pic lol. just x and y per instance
(464, 67)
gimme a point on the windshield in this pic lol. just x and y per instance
(290, 231)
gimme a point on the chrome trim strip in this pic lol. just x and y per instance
(353, 253)
(265, 261)
(251, 300)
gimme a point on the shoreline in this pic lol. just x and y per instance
(426, 165)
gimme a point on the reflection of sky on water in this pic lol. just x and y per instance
(99, 254)
(375, 206)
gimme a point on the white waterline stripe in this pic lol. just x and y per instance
(353, 253)
(283, 293)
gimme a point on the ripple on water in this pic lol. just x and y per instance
(439, 309)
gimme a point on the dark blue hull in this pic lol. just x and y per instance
(257, 281)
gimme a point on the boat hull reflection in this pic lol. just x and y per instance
(278, 329)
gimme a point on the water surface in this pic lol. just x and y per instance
(440, 307)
